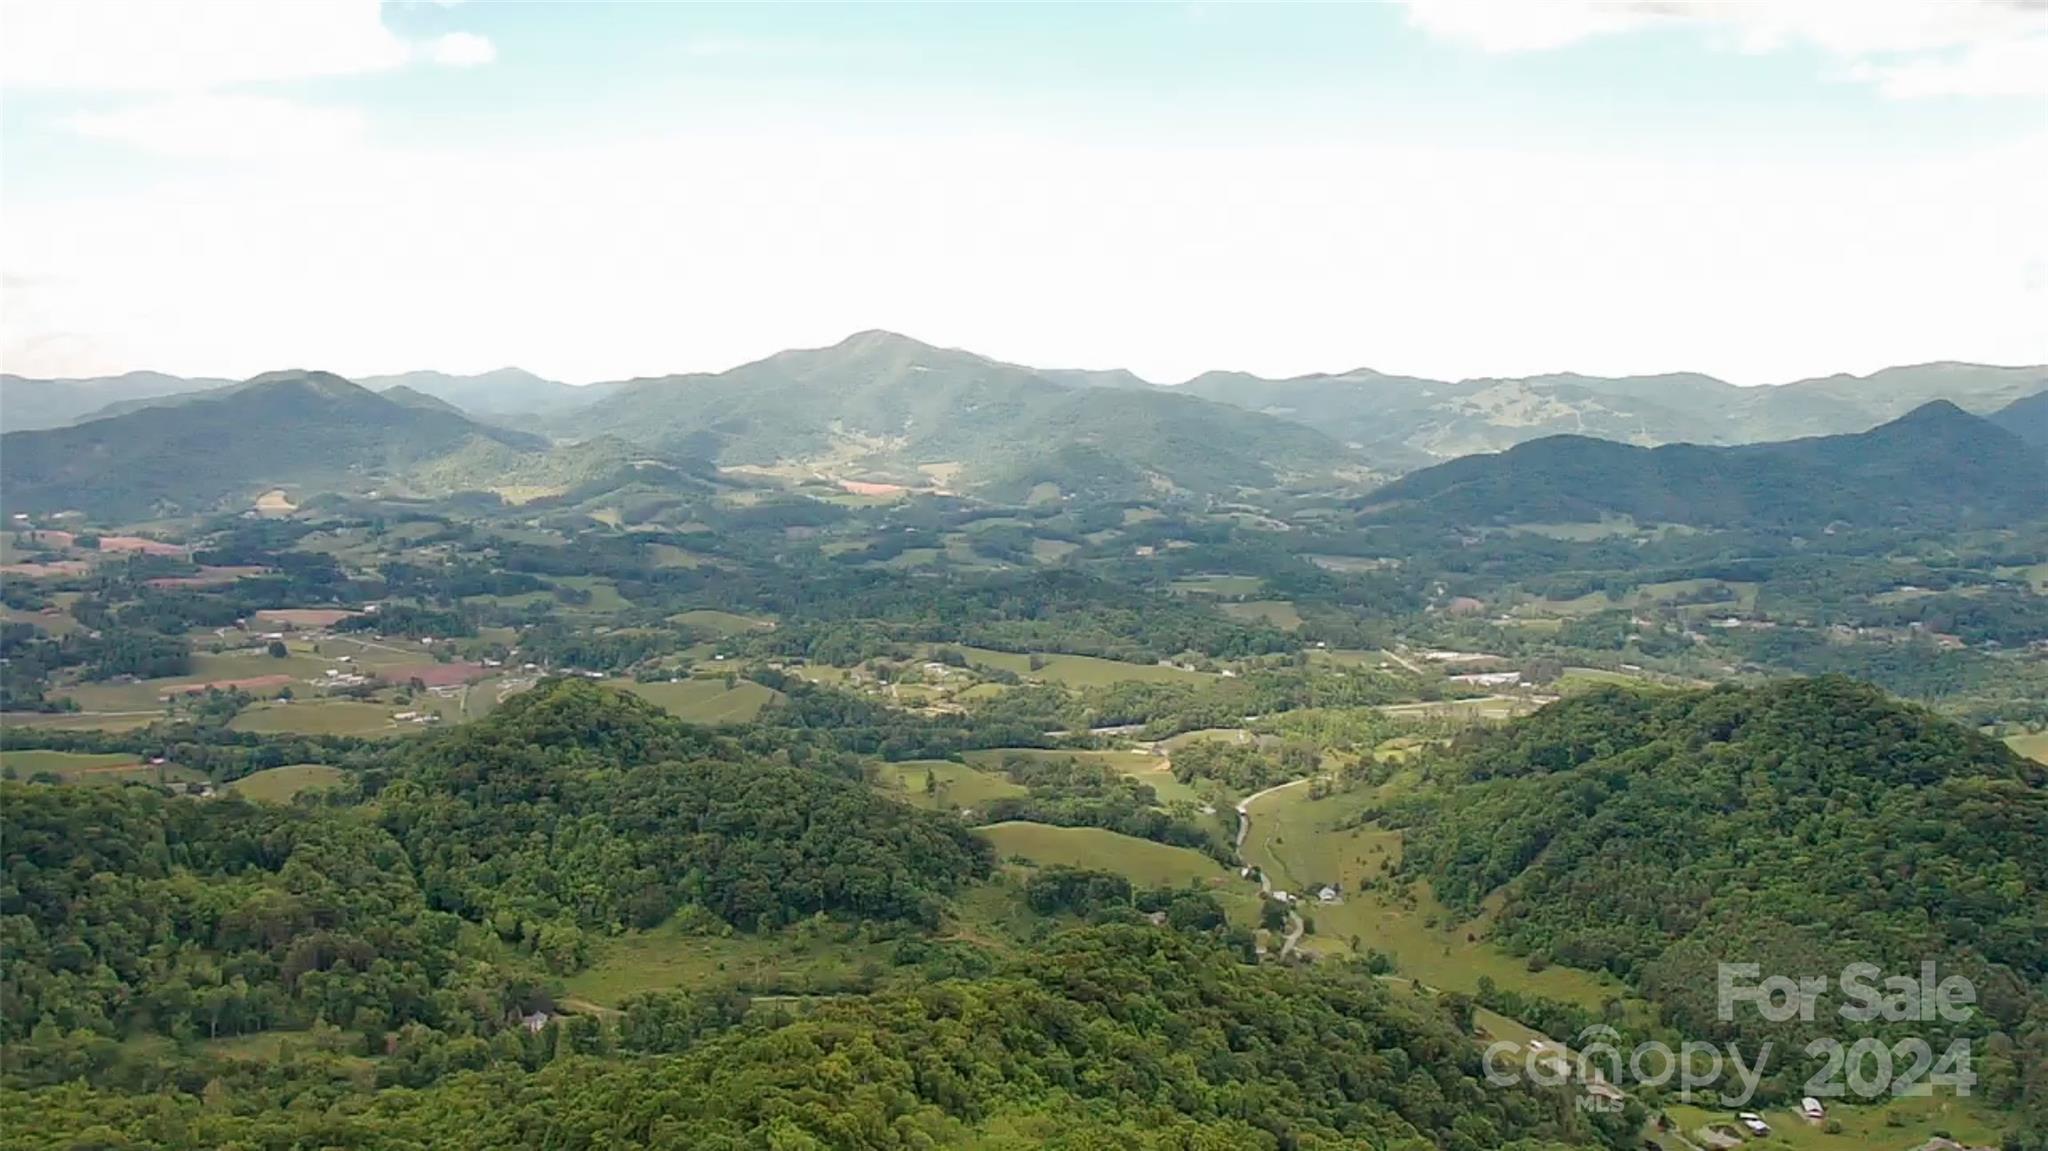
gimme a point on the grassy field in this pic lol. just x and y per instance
(322, 717)
(1051, 551)
(101, 768)
(1143, 861)
(1223, 734)
(1153, 770)
(2033, 746)
(1647, 595)
(1296, 842)
(671, 556)
(722, 623)
(707, 700)
(960, 786)
(663, 959)
(56, 623)
(280, 784)
(1863, 1127)
(1581, 532)
(1278, 612)
(81, 721)
(604, 594)
(1083, 670)
(1218, 584)
(1487, 708)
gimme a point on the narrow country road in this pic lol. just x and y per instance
(1295, 927)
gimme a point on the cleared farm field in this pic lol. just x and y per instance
(1300, 844)
(320, 717)
(604, 594)
(64, 763)
(1219, 734)
(2033, 746)
(1083, 670)
(1220, 584)
(81, 720)
(1888, 1124)
(280, 784)
(721, 622)
(662, 958)
(1486, 707)
(93, 767)
(707, 701)
(1152, 770)
(959, 785)
(1144, 862)
(1047, 551)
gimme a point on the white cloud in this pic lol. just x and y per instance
(2014, 68)
(1910, 48)
(200, 45)
(209, 126)
(461, 50)
(684, 251)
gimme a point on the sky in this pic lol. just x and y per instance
(1760, 191)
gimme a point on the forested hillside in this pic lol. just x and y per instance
(1804, 825)
(1114, 1037)
(888, 404)
(1937, 465)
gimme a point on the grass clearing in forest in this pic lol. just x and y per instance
(721, 623)
(2034, 746)
(958, 785)
(791, 962)
(1082, 670)
(321, 717)
(1152, 770)
(280, 784)
(1295, 840)
(78, 767)
(707, 700)
(1864, 1128)
(1218, 584)
(1142, 861)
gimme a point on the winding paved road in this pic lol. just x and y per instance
(1295, 927)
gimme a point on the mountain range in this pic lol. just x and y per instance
(867, 383)
(304, 431)
(888, 406)
(883, 407)
(1935, 466)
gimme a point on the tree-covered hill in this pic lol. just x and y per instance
(1936, 466)
(1803, 825)
(572, 812)
(27, 404)
(2026, 418)
(501, 393)
(888, 403)
(1113, 1037)
(305, 430)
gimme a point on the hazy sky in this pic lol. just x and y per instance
(1760, 191)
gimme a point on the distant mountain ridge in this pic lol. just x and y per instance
(2026, 418)
(28, 404)
(1936, 465)
(888, 405)
(1405, 421)
(1389, 422)
(294, 429)
(501, 393)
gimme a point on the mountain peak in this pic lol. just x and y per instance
(880, 341)
(323, 383)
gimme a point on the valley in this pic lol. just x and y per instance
(688, 746)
